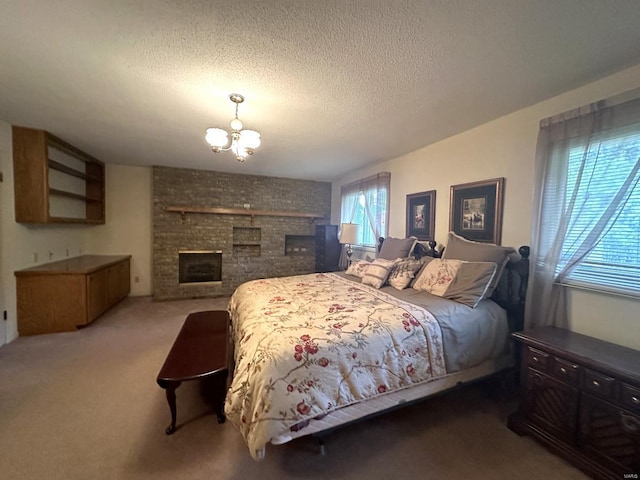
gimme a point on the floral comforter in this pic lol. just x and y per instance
(310, 344)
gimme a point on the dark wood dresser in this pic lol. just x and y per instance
(327, 248)
(581, 399)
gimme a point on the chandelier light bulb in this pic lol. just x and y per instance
(236, 124)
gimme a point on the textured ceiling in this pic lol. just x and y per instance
(330, 85)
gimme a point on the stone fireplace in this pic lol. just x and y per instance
(199, 255)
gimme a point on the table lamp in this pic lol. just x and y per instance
(348, 236)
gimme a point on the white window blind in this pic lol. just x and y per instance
(594, 174)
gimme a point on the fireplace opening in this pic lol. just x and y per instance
(199, 266)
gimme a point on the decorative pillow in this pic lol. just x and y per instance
(437, 276)
(471, 283)
(393, 248)
(403, 272)
(463, 282)
(424, 261)
(462, 249)
(358, 268)
(377, 272)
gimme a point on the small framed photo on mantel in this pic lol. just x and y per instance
(475, 210)
(421, 215)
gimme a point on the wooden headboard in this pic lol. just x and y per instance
(420, 250)
(511, 291)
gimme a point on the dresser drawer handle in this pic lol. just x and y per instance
(635, 400)
(629, 422)
(535, 359)
(538, 379)
(563, 370)
(596, 384)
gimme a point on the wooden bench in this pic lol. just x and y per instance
(200, 351)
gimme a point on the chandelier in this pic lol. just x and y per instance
(243, 142)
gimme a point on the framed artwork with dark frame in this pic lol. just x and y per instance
(421, 215)
(475, 210)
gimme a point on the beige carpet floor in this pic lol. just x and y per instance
(85, 405)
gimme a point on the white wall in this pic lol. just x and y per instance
(127, 230)
(506, 148)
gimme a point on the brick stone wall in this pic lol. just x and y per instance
(250, 248)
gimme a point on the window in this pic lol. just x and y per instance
(588, 229)
(597, 172)
(366, 203)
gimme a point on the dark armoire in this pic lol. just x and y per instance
(327, 248)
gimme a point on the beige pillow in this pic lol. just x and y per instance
(462, 249)
(425, 261)
(472, 282)
(437, 276)
(358, 268)
(403, 272)
(377, 272)
(463, 282)
(393, 248)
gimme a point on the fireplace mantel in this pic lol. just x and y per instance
(243, 211)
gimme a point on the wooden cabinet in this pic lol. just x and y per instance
(581, 398)
(54, 181)
(327, 248)
(65, 295)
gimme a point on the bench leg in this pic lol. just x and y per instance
(170, 388)
(222, 395)
(220, 415)
(214, 389)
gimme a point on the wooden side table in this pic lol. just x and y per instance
(200, 351)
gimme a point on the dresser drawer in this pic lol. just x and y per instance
(598, 383)
(630, 397)
(566, 371)
(538, 359)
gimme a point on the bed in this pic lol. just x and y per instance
(313, 352)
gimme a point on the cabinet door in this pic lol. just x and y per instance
(551, 404)
(118, 283)
(124, 279)
(113, 284)
(609, 434)
(96, 294)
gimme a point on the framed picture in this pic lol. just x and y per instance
(475, 211)
(421, 215)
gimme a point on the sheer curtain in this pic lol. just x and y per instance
(572, 210)
(366, 202)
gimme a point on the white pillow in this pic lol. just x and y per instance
(358, 268)
(377, 272)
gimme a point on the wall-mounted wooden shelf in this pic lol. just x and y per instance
(54, 181)
(243, 211)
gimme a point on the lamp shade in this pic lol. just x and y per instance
(249, 139)
(348, 233)
(216, 137)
